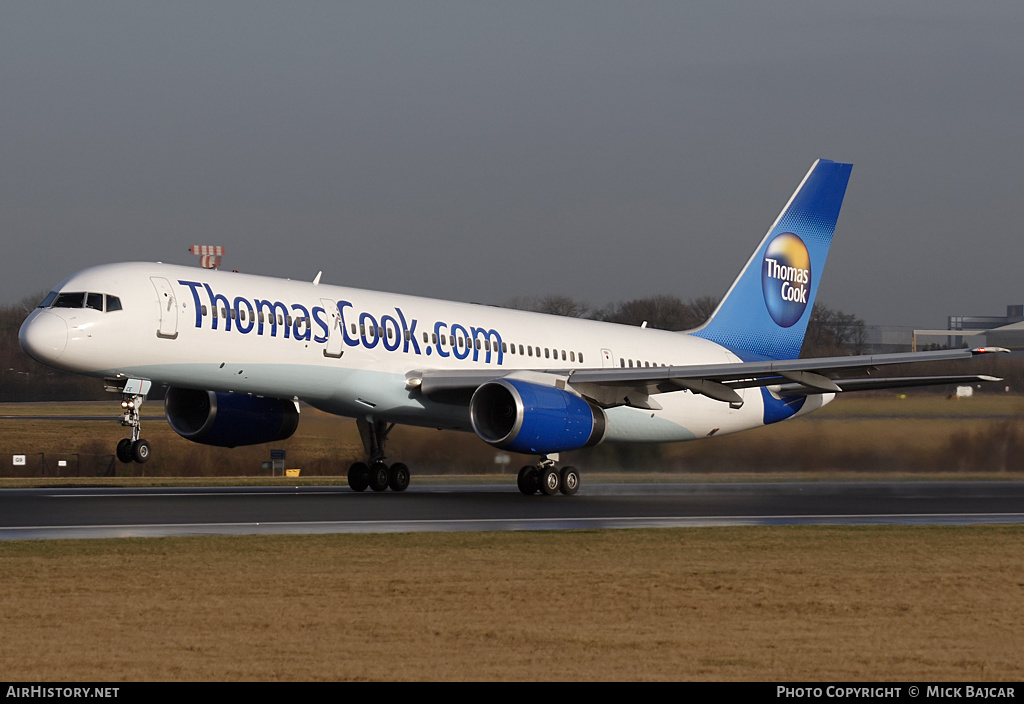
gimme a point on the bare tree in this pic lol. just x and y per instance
(663, 312)
(552, 304)
(832, 332)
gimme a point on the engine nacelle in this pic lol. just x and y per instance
(531, 418)
(229, 420)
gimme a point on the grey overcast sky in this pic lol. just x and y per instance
(487, 150)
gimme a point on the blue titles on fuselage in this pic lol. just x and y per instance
(253, 318)
(392, 332)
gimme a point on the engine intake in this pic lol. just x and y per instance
(229, 420)
(524, 417)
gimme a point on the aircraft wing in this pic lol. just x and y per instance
(634, 386)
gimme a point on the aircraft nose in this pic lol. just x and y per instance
(44, 336)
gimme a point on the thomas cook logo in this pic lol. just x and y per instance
(786, 278)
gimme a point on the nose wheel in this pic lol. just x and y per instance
(129, 451)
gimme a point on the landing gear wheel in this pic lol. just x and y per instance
(549, 481)
(140, 451)
(570, 483)
(359, 476)
(378, 476)
(398, 477)
(528, 480)
(124, 451)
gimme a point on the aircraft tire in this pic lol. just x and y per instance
(141, 451)
(570, 481)
(549, 481)
(528, 480)
(398, 477)
(124, 451)
(378, 476)
(358, 476)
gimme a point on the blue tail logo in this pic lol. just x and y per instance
(786, 278)
(765, 312)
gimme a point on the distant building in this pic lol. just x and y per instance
(1011, 336)
(961, 331)
(993, 330)
(882, 339)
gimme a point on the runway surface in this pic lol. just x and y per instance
(151, 512)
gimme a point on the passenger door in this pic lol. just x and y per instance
(168, 324)
(334, 336)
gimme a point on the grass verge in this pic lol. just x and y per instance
(856, 435)
(761, 603)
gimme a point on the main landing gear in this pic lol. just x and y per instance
(133, 449)
(376, 474)
(548, 479)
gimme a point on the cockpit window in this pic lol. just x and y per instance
(70, 300)
(81, 299)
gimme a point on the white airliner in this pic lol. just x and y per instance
(237, 353)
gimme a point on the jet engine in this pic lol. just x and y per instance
(229, 420)
(531, 418)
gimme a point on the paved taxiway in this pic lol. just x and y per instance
(120, 512)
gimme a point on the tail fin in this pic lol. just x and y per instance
(767, 309)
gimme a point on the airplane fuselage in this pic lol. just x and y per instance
(352, 352)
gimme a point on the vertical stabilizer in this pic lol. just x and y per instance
(766, 310)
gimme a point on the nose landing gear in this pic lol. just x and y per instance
(133, 449)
